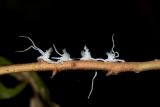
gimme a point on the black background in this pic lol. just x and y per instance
(71, 25)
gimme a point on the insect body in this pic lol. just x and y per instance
(63, 57)
(86, 55)
(44, 55)
(113, 55)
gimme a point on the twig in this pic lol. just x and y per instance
(108, 67)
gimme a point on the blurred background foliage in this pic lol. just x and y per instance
(41, 97)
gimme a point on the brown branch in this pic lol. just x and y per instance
(111, 67)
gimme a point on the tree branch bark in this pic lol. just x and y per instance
(108, 67)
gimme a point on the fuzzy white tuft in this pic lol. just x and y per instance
(44, 55)
(113, 55)
(64, 57)
(86, 55)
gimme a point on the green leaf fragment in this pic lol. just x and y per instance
(7, 93)
(4, 61)
(40, 85)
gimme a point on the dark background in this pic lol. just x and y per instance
(71, 25)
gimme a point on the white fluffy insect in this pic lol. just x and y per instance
(86, 55)
(113, 55)
(63, 57)
(44, 55)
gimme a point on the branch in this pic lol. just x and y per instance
(108, 67)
